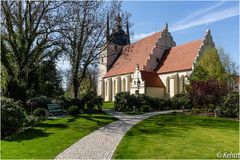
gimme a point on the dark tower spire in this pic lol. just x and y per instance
(128, 34)
(107, 30)
(118, 23)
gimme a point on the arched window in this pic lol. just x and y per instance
(124, 85)
(106, 87)
(114, 87)
(183, 84)
(168, 85)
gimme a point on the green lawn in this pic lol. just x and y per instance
(51, 137)
(179, 136)
(108, 105)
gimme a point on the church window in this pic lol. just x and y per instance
(102, 59)
(115, 48)
(183, 84)
(168, 85)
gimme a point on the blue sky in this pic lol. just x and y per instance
(188, 21)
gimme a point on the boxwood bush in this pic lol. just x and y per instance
(13, 116)
(41, 113)
(93, 101)
(73, 110)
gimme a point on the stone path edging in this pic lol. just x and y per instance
(102, 143)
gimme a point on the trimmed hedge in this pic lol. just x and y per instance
(124, 101)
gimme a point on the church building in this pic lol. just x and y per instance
(154, 65)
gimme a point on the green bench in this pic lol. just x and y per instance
(55, 109)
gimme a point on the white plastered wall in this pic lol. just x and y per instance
(117, 85)
(174, 83)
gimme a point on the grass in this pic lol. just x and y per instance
(51, 137)
(108, 105)
(179, 136)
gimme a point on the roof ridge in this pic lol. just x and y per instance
(145, 38)
(187, 43)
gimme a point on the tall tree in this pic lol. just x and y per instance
(27, 37)
(230, 67)
(210, 61)
(83, 36)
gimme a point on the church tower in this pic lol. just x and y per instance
(115, 43)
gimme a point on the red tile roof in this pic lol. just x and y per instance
(179, 58)
(136, 53)
(151, 79)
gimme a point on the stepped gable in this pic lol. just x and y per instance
(132, 54)
(179, 58)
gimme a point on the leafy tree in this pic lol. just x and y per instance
(230, 67)
(83, 35)
(211, 63)
(203, 93)
(50, 83)
(198, 74)
(27, 37)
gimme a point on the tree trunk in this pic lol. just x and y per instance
(75, 87)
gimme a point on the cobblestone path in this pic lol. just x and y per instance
(102, 143)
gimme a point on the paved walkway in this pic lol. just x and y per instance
(102, 143)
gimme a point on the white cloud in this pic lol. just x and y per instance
(207, 18)
(200, 12)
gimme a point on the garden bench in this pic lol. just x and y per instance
(55, 109)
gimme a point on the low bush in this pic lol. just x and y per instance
(145, 108)
(77, 102)
(64, 102)
(230, 105)
(93, 101)
(122, 101)
(180, 101)
(73, 110)
(166, 104)
(40, 112)
(38, 102)
(30, 121)
(13, 116)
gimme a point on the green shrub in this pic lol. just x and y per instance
(93, 101)
(77, 102)
(13, 116)
(122, 101)
(166, 104)
(145, 108)
(30, 121)
(197, 109)
(38, 102)
(230, 105)
(180, 101)
(64, 102)
(40, 112)
(73, 110)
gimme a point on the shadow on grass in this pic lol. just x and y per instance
(47, 125)
(98, 119)
(28, 134)
(178, 125)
